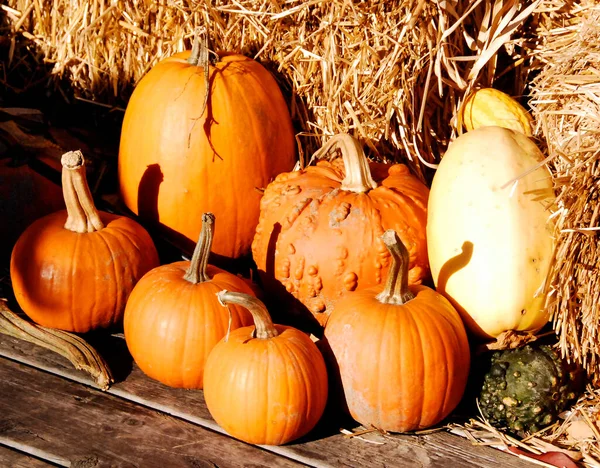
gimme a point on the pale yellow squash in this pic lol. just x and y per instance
(490, 107)
(489, 239)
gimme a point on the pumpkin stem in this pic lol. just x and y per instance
(263, 325)
(358, 175)
(68, 345)
(396, 289)
(199, 55)
(196, 273)
(82, 215)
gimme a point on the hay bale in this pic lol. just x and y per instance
(392, 73)
(566, 105)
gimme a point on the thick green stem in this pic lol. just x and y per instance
(263, 325)
(196, 273)
(82, 215)
(358, 175)
(396, 289)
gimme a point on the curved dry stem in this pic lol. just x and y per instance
(82, 215)
(199, 57)
(196, 273)
(68, 345)
(358, 175)
(396, 289)
(263, 324)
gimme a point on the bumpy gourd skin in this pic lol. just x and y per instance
(319, 242)
(526, 388)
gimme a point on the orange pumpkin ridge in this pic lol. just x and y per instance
(74, 269)
(401, 351)
(199, 138)
(265, 384)
(318, 236)
(173, 318)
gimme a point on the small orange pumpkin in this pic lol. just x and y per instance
(265, 384)
(402, 352)
(319, 228)
(200, 137)
(173, 318)
(74, 269)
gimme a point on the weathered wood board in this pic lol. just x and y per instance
(325, 447)
(75, 425)
(14, 459)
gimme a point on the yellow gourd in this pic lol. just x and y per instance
(489, 236)
(490, 107)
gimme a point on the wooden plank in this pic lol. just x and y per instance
(80, 426)
(324, 447)
(14, 459)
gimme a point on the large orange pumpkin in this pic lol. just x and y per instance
(265, 384)
(74, 269)
(319, 229)
(173, 318)
(402, 352)
(185, 151)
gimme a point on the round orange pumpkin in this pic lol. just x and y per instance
(265, 384)
(402, 352)
(319, 229)
(186, 150)
(173, 318)
(74, 269)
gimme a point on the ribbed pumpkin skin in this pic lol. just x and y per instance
(321, 242)
(266, 391)
(402, 368)
(171, 324)
(173, 166)
(79, 282)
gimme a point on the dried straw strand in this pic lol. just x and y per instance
(391, 73)
(566, 105)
